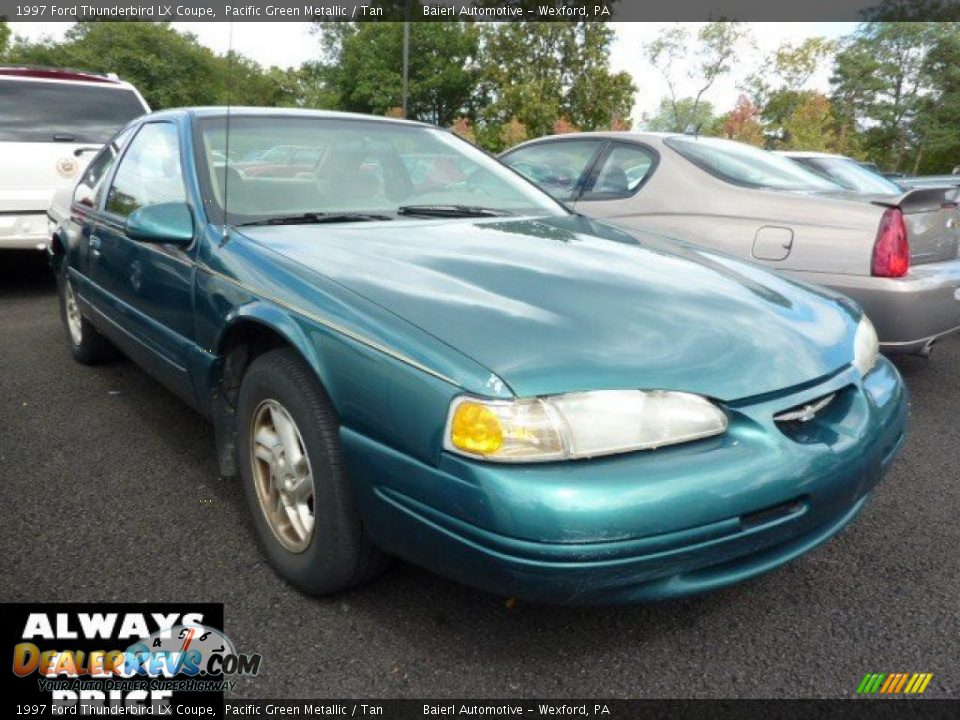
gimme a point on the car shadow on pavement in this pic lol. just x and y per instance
(911, 366)
(25, 273)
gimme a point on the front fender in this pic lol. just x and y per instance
(281, 322)
(373, 393)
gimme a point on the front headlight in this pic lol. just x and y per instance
(578, 425)
(866, 346)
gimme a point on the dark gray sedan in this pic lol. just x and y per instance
(895, 254)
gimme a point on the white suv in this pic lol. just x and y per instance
(52, 122)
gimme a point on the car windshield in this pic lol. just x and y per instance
(852, 175)
(747, 165)
(45, 111)
(303, 169)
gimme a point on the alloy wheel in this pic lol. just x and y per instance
(74, 319)
(282, 476)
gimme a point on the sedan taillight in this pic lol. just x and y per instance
(891, 252)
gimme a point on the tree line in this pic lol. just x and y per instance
(495, 83)
(893, 97)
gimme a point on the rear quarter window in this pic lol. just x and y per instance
(741, 164)
(45, 111)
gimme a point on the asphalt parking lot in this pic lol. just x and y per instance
(110, 492)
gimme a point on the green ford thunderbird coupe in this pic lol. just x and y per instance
(408, 350)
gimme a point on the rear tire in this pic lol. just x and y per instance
(294, 478)
(86, 344)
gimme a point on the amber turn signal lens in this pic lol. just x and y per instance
(476, 429)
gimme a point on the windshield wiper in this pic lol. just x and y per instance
(311, 218)
(453, 211)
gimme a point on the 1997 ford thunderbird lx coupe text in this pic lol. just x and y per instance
(405, 347)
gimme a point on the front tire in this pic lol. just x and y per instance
(294, 478)
(86, 344)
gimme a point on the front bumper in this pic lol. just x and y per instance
(24, 231)
(646, 525)
(909, 312)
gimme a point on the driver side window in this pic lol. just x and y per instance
(150, 171)
(89, 190)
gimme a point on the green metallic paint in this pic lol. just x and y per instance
(164, 223)
(644, 525)
(597, 308)
(398, 318)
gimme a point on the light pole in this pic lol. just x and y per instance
(406, 58)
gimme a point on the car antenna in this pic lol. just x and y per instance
(224, 236)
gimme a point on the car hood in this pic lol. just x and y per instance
(565, 304)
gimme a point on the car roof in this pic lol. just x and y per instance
(611, 134)
(245, 111)
(810, 154)
(31, 72)
(647, 136)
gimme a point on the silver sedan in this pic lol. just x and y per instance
(897, 255)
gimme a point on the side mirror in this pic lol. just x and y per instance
(170, 223)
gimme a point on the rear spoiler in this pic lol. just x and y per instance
(922, 200)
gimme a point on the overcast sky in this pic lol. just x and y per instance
(290, 43)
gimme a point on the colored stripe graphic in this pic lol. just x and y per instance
(902, 681)
(870, 683)
(891, 681)
(894, 683)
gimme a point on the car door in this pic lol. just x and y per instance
(558, 167)
(614, 183)
(148, 287)
(84, 211)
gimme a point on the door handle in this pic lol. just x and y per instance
(95, 246)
